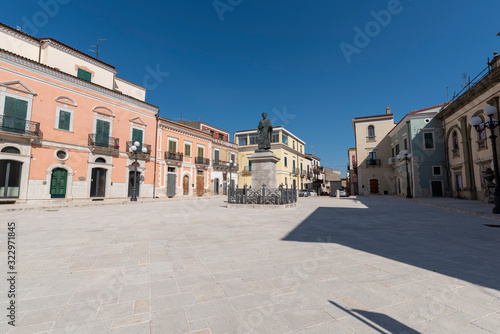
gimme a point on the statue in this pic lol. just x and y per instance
(265, 131)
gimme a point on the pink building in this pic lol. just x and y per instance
(66, 124)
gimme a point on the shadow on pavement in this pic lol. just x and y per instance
(389, 324)
(450, 243)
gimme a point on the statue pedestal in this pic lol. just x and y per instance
(264, 169)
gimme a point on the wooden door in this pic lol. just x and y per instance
(98, 182)
(200, 180)
(58, 183)
(171, 182)
(374, 186)
(185, 185)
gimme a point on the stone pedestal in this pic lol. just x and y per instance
(264, 169)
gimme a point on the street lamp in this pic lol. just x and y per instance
(230, 164)
(404, 155)
(133, 149)
(491, 124)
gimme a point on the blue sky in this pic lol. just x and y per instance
(230, 60)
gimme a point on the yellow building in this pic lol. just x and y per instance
(292, 167)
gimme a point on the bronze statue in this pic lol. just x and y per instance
(265, 131)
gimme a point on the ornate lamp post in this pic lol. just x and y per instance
(133, 149)
(230, 164)
(405, 156)
(491, 124)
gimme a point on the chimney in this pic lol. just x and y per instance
(495, 62)
(388, 110)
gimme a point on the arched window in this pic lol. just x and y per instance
(100, 160)
(455, 140)
(371, 131)
(10, 149)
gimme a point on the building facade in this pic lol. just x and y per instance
(67, 122)
(420, 133)
(352, 172)
(292, 166)
(373, 149)
(468, 152)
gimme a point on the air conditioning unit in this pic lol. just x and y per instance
(391, 161)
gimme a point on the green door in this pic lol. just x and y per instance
(102, 133)
(58, 183)
(15, 113)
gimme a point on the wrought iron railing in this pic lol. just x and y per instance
(265, 196)
(20, 126)
(202, 161)
(104, 142)
(140, 154)
(373, 162)
(174, 156)
(220, 164)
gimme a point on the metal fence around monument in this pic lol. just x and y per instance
(264, 195)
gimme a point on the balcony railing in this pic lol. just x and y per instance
(202, 161)
(220, 164)
(105, 143)
(373, 162)
(174, 156)
(246, 170)
(19, 126)
(318, 170)
(140, 155)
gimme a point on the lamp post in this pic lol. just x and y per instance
(133, 149)
(491, 124)
(404, 155)
(230, 164)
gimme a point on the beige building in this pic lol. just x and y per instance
(468, 152)
(373, 149)
(292, 167)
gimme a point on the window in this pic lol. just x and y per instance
(301, 169)
(293, 165)
(397, 149)
(405, 143)
(10, 149)
(428, 140)
(85, 75)
(371, 131)
(221, 136)
(63, 120)
(436, 170)
(15, 112)
(187, 150)
(137, 135)
(200, 152)
(102, 131)
(249, 166)
(172, 146)
(300, 148)
(216, 155)
(253, 139)
(455, 140)
(393, 152)
(212, 133)
(293, 142)
(242, 140)
(284, 138)
(372, 155)
(286, 161)
(275, 138)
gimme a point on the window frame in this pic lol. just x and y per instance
(84, 72)
(190, 146)
(424, 141)
(58, 115)
(440, 170)
(371, 133)
(242, 137)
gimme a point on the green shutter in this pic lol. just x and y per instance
(200, 152)
(249, 166)
(286, 162)
(102, 133)
(85, 75)
(187, 150)
(172, 146)
(64, 120)
(136, 135)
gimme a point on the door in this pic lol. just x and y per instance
(10, 178)
(98, 183)
(15, 113)
(171, 181)
(58, 183)
(458, 184)
(374, 186)
(131, 183)
(200, 181)
(216, 186)
(102, 133)
(437, 188)
(185, 185)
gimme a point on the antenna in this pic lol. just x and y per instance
(97, 47)
(447, 91)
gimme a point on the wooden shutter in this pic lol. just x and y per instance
(172, 146)
(187, 150)
(64, 120)
(200, 152)
(136, 135)
(85, 75)
(15, 108)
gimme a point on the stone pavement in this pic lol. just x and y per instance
(346, 265)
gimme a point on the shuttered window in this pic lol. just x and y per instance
(85, 75)
(172, 146)
(64, 120)
(187, 150)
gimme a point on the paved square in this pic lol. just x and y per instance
(368, 265)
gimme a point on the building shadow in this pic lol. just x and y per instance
(375, 320)
(418, 235)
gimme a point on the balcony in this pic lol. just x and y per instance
(174, 158)
(370, 138)
(19, 127)
(391, 161)
(201, 163)
(318, 170)
(295, 171)
(103, 144)
(246, 170)
(373, 163)
(221, 165)
(140, 155)
(309, 175)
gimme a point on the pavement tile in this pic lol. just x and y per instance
(140, 328)
(490, 322)
(78, 314)
(233, 288)
(209, 291)
(173, 301)
(332, 327)
(38, 328)
(209, 309)
(38, 316)
(304, 317)
(171, 321)
(112, 311)
(130, 320)
(134, 292)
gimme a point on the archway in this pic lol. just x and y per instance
(185, 185)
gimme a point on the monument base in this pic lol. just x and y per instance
(264, 169)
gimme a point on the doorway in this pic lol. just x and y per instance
(58, 183)
(98, 183)
(200, 181)
(10, 178)
(459, 185)
(131, 183)
(216, 186)
(185, 185)
(374, 186)
(437, 188)
(171, 181)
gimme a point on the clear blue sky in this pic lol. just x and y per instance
(275, 55)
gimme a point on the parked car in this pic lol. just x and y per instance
(342, 192)
(303, 193)
(313, 193)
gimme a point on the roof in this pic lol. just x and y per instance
(197, 124)
(274, 128)
(425, 109)
(367, 117)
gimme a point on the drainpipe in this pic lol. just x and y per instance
(157, 116)
(410, 146)
(446, 160)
